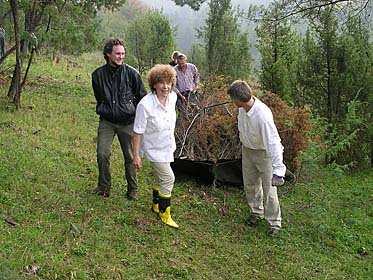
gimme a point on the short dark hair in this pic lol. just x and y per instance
(240, 90)
(159, 73)
(110, 43)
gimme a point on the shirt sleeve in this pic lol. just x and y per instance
(176, 87)
(196, 76)
(272, 144)
(140, 119)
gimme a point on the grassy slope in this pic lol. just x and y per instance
(47, 161)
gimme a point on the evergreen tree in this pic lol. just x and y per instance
(150, 40)
(335, 77)
(278, 46)
(320, 65)
(227, 49)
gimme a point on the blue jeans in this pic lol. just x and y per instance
(105, 135)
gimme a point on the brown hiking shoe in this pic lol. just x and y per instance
(100, 192)
(253, 220)
(132, 195)
(273, 231)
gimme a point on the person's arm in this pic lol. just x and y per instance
(176, 89)
(197, 78)
(272, 144)
(139, 86)
(136, 150)
(95, 88)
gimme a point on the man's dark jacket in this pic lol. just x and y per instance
(117, 91)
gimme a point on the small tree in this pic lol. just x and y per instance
(68, 25)
(150, 39)
(335, 77)
(278, 47)
(227, 49)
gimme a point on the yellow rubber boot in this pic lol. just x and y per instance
(155, 206)
(165, 210)
(166, 218)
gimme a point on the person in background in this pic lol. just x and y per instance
(117, 88)
(174, 56)
(2, 42)
(262, 157)
(187, 81)
(154, 128)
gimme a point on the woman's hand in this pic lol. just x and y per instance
(137, 162)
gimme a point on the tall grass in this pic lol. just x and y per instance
(48, 161)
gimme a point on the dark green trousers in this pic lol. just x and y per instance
(105, 135)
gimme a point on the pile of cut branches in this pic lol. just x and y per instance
(207, 130)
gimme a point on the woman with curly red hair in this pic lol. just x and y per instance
(154, 131)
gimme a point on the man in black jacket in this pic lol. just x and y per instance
(118, 88)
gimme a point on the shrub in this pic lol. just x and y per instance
(208, 130)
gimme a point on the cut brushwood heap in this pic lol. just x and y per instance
(207, 130)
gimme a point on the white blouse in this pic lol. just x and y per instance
(156, 124)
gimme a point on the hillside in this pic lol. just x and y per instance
(52, 229)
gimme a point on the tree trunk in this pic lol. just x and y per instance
(28, 67)
(15, 87)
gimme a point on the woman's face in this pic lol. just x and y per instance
(163, 88)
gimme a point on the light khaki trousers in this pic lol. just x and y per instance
(260, 194)
(164, 177)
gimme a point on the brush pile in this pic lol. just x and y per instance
(207, 130)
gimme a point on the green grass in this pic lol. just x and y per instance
(48, 161)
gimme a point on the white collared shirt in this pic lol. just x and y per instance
(258, 131)
(156, 124)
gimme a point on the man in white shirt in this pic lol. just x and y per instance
(262, 157)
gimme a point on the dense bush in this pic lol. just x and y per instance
(208, 130)
(293, 125)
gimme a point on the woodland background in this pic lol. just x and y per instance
(315, 57)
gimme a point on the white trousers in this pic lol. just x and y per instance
(260, 194)
(164, 177)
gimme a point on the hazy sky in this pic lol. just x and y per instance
(187, 20)
(171, 4)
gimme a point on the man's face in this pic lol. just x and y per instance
(116, 56)
(237, 102)
(181, 61)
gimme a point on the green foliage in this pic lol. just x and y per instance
(194, 4)
(73, 31)
(349, 142)
(115, 23)
(334, 78)
(279, 48)
(227, 49)
(343, 146)
(197, 56)
(150, 39)
(61, 26)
